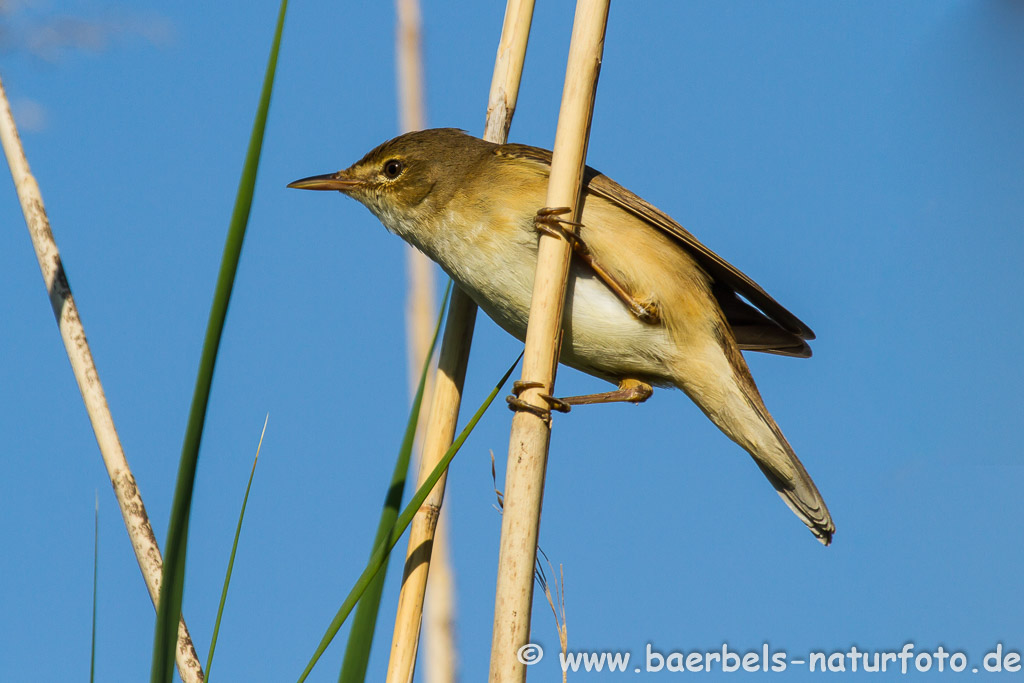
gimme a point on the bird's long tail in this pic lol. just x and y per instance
(720, 384)
(798, 491)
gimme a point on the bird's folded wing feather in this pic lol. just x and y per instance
(789, 331)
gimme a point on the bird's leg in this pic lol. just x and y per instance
(548, 222)
(630, 390)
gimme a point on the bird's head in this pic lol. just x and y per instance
(407, 181)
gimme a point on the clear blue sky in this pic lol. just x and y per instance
(863, 161)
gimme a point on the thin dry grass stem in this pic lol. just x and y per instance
(136, 521)
(451, 371)
(541, 577)
(558, 597)
(499, 505)
(530, 434)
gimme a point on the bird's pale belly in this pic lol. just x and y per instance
(602, 337)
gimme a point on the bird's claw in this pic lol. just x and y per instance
(547, 221)
(517, 404)
(646, 311)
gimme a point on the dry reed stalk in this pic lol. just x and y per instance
(451, 371)
(420, 302)
(440, 663)
(440, 658)
(530, 434)
(440, 431)
(136, 521)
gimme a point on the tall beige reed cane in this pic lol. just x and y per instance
(439, 663)
(72, 332)
(531, 431)
(451, 372)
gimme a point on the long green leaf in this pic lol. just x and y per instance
(403, 522)
(360, 638)
(231, 558)
(95, 584)
(173, 581)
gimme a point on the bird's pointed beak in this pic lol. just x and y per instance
(339, 181)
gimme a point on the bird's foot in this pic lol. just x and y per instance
(547, 221)
(518, 404)
(629, 391)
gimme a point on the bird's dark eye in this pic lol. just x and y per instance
(393, 168)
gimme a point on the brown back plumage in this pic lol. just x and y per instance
(763, 324)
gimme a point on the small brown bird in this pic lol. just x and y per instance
(646, 304)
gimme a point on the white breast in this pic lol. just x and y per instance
(602, 336)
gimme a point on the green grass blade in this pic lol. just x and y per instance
(360, 638)
(95, 577)
(401, 524)
(172, 585)
(231, 559)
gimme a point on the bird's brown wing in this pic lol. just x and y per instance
(765, 326)
(754, 331)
